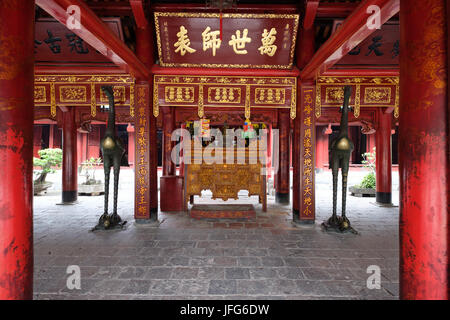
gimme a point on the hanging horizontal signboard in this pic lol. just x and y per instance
(55, 43)
(380, 49)
(227, 40)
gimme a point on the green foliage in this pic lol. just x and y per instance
(369, 181)
(48, 160)
(89, 166)
(369, 160)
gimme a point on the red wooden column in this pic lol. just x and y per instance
(321, 147)
(171, 185)
(181, 172)
(269, 152)
(146, 152)
(283, 174)
(81, 146)
(142, 203)
(307, 153)
(168, 127)
(423, 150)
(16, 149)
(370, 142)
(70, 161)
(384, 158)
(305, 51)
(296, 165)
(51, 137)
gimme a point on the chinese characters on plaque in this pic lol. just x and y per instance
(382, 47)
(250, 40)
(307, 159)
(55, 43)
(142, 152)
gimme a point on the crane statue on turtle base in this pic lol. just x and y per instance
(113, 152)
(340, 150)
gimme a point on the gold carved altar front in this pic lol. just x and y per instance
(245, 170)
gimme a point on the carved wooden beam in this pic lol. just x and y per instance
(354, 30)
(310, 13)
(139, 14)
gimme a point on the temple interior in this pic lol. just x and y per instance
(266, 149)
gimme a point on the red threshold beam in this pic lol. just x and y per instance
(97, 34)
(354, 30)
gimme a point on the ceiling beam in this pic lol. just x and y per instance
(116, 8)
(139, 14)
(354, 30)
(93, 31)
(329, 10)
(310, 13)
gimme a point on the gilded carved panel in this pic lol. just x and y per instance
(224, 95)
(366, 92)
(82, 90)
(119, 95)
(40, 94)
(230, 91)
(72, 94)
(377, 95)
(270, 96)
(179, 94)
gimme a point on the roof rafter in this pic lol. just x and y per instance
(310, 13)
(354, 30)
(139, 14)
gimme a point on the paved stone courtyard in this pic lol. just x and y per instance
(183, 258)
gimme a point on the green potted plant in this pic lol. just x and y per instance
(367, 187)
(48, 160)
(90, 186)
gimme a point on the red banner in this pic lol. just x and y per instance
(54, 42)
(243, 41)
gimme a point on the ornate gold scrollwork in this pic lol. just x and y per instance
(155, 101)
(72, 94)
(357, 101)
(132, 100)
(293, 103)
(318, 109)
(93, 101)
(227, 179)
(397, 101)
(377, 95)
(247, 102)
(201, 108)
(52, 99)
(40, 94)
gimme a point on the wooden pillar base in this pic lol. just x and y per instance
(282, 198)
(69, 196)
(384, 197)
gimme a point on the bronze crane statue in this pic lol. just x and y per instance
(113, 152)
(340, 150)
